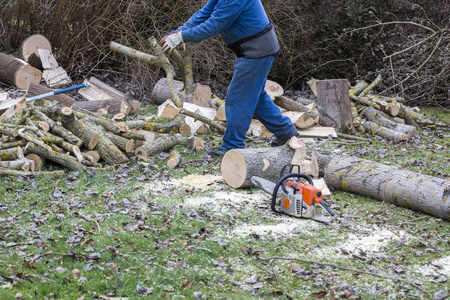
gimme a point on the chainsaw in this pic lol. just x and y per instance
(293, 197)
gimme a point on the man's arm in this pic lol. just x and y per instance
(222, 16)
(200, 16)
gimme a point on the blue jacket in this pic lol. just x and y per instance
(234, 19)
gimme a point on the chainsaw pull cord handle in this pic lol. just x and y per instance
(280, 182)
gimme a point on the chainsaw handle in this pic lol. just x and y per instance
(327, 208)
(280, 182)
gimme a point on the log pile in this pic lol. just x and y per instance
(387, 117)
(78, 139)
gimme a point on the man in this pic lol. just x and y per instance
(246, 29)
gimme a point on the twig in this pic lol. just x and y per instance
(343, 268)
(90, 220)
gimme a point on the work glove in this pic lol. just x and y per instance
(170, 41)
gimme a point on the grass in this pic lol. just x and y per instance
(160, 237)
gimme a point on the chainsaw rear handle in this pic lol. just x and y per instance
(280, 182)
(327, 208)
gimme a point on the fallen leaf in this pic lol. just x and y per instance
(187, 285)
(319, 295)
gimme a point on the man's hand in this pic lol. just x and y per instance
(170, 41)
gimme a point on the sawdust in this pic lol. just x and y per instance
(373, 242)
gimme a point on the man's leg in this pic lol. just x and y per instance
(242, 97)
(270, 116)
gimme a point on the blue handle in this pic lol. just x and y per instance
(76, 87)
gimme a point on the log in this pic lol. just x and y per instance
(108, 151)
(134, 104)
(23, 173)
(23, 164)
(35, 89)
(63, 159)
(161, 93)
(174, 159)
(239, 165)
(164, 143)
(290, 105)
(273, 89)
(334, 106)
(17, 73)
(39, 161)
(168, 109)
(56, 77)
(205, 120)
(113, 106)
(124, 144)
(257, 129)
(60, 130)
(404, 188)
(11, 153)
(69, 121)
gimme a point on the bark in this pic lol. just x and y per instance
(384, 132)
(11, 153)
(239, 165)
(289, 104)
(109, 152)
(16, 72)
(165, 143)
(113, 106)
(404, 188)
(334, 106)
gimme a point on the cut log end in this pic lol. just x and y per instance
(234, 168)
(94, 141)
(26, 75)
(33, 43)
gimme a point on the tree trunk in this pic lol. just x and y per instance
(386, 183)
(333, 103)
(16, 72)
(239, 165)
(63, 159)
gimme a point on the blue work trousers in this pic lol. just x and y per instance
(246, 98)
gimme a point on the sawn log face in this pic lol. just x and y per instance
(404, 188)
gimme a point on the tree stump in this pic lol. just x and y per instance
(333, 103)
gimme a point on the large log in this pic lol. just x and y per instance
(16, 72)
(404, 188)
(239, 165)
(63, 159)
(333, 103)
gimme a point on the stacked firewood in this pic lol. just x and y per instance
(79, 138)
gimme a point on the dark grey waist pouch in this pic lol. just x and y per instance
(259, 45)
